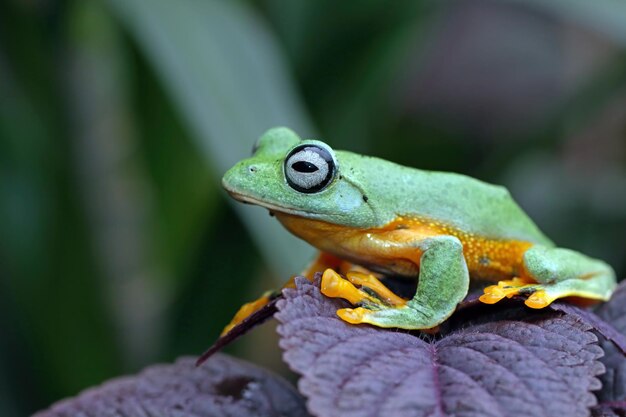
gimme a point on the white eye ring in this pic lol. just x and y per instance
(309, 168)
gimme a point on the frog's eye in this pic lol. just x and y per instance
(309, 168)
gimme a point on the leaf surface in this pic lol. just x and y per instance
(222, 386)
(614, 380)
(544, 365)
(617, 409)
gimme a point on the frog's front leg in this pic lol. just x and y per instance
(443, 283)
(552, 273)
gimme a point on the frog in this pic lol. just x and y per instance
(371, 218)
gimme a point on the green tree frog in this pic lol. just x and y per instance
(367, 215)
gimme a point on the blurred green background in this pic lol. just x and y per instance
(118, 247)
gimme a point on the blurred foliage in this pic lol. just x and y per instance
(117, 118)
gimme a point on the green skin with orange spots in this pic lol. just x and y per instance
(438, 220)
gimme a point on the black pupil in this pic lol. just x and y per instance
(304, 166)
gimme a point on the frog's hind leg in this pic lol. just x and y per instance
(321, 262)
(553, 273)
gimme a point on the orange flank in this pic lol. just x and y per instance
(322, 262)
(390, 248)
(395, 249)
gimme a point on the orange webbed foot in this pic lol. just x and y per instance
(537, 296)
(371, 291)
(335, 286)
(374, 300)
(372, 283)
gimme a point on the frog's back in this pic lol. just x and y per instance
(460, 201)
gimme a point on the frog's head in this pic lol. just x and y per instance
(304, 178)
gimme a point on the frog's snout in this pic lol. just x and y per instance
(234, 177)
(255, 182)
(243, 178)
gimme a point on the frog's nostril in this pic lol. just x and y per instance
(252, 169)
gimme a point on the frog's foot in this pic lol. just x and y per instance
(402, 317)
(509, 288)
(246, 311)
(371, 284)
(372, 293)
(538, 295)
(377, 304)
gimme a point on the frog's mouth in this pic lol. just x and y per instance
(271, 207)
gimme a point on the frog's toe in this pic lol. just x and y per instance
(335, 286)
(372, 284)
(492, 294)
(372, 293)
(353, 315)
(539, 299)
(403, 317)
(360, 315)
(508, 288)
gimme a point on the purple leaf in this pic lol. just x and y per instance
(545, 365)
(617, 409)
(614, 311)
(598, 324)
(614, 380)
(223, 386)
